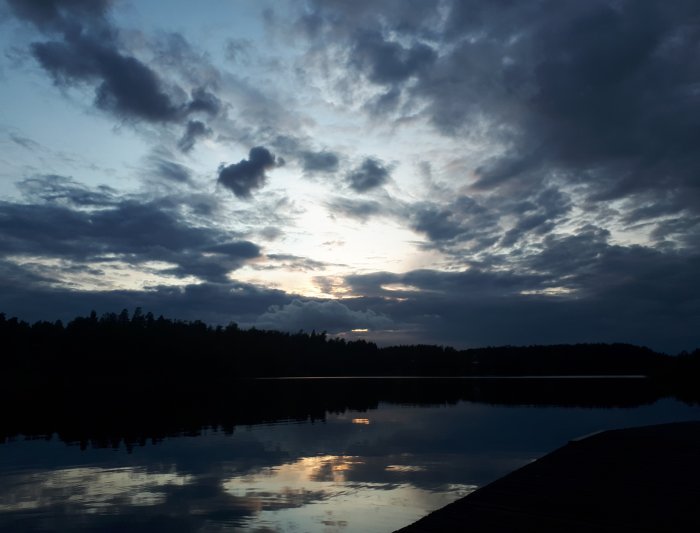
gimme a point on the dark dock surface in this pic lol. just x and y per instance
(644, 479)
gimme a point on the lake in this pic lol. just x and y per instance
(325, 456)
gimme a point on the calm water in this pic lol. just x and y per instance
(369, 470)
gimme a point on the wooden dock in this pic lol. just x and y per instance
(644, 479)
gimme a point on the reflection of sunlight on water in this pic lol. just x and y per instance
(323, 470)
(87, 489)
(405, 468)
(318, 494)
(363, 421)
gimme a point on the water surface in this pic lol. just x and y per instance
(370, 469)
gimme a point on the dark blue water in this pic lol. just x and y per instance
(373, 470)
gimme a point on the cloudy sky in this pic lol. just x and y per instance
(447, 171)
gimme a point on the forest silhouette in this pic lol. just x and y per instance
(134, 377)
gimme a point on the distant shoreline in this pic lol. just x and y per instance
(545, 376)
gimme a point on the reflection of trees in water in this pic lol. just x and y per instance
(87, 416)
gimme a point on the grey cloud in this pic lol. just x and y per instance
(126, 86)
(25, 142)
(389, 62)
(55, 188)
(620, 294)
(174, 53)
(541, 216)
(319, 161)
(369, 175)
(80, 225)
(336, 17)
(193, 131)
(130, 88)
(293, 262)
(684, 229)
(162, 163)
(473, 284)
(248, 174)
(24, 295)
(289, 145)
(88, 51)
(237, 49)
(270, 233)
(125, 228)
(436, 222)
(385, 102)
(173, 171)
(215, 265)
(461, 221)
(58, 14)
(205, 102)
(599, 86)
(571, 255)
(239, 249)
(358, 209)
(497, 171)
(329, 315)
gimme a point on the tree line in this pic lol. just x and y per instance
(141, 346)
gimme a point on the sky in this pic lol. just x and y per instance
(456, 172)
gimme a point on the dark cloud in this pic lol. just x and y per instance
(330, 315)
(193, 131)
(126, 86)
(205, 102)
(601, 89)
(571, 255)
(389, 62)
(539, 216)
(462, 221)
(238, 249)
(579, 288)
(73, 223)
(248, 174)
(385, 102)
(369, 175)
(127, 228)
(319, 161)
(218, 261)
(88, 51)
(680, 229)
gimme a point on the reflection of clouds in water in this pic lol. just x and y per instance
(88, 489)
(316, 494)
(288, 482)
(405, 468)
(334, 476)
